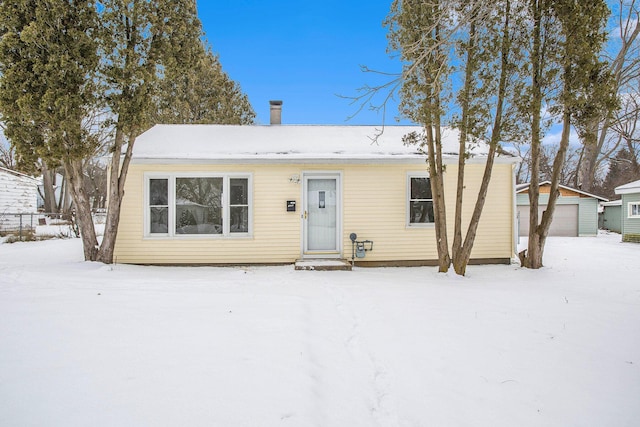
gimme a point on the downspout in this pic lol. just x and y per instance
(515, 224)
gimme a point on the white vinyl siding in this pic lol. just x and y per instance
(18, 194)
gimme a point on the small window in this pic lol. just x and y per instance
(239, 205)
(159, 206)
(634, 210)
(420, 201)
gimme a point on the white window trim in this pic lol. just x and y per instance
(630, 208)
(171, 177)
(408, 222)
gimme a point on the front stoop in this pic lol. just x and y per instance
(323, 264)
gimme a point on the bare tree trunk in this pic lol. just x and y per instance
(434, 154)
(462, 255)
(590, 152)
(74, 178)
(117, 177)
(66, 205)
(542, 230)
(49, 198)
(529, 258)
(462, 150)
(634, 158)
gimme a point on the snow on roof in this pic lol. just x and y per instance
(281, 142)
(632, 187)
(18, 174)
(521, 188)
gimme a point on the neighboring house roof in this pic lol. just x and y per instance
(288, 143)
(632, 187)
(521, 188)
(18, 174)
(612, 203)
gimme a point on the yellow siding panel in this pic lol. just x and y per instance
(374, 206)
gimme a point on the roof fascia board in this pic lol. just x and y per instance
(526, 188)
(311, 160)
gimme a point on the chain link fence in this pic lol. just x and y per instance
(28, 226)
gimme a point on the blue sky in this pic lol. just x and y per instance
(303, 53)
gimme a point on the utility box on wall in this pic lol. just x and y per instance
(291, 205)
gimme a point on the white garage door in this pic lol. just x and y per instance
(565, 220)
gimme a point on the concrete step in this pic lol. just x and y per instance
(323, 264)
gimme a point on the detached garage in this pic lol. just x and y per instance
(576, 212)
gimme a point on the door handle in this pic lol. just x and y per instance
(305, 215)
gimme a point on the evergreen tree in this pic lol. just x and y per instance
(202, 93)
(566, 39)
(48, 59)
(63, 60)
(439, 40)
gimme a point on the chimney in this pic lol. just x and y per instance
(276, 112)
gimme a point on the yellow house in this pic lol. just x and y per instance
(225, 194)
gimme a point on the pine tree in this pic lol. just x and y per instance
(437, 40)
(566, 39)
(63, 60)
(201, 93)
(48, 59)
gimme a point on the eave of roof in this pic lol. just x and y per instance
(18, 174)
(632, 187)
(525, 187)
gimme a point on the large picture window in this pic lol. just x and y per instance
(197, 205)
(420, 204)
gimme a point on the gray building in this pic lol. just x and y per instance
(576, 212)
(611, 216)
(630, 211)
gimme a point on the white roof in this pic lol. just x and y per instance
(632, 187)
(284, 143)
(18, 174)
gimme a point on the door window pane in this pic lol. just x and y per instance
(322, 214)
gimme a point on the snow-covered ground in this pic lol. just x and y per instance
(87, 344)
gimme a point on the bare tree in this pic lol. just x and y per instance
(623, 65)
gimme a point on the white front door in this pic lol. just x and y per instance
(321, 216)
